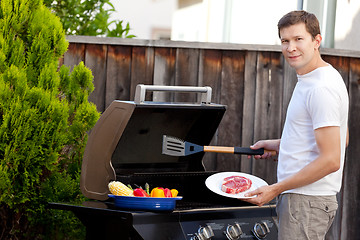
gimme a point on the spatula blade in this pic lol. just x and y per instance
(176, 147)
(173, 146)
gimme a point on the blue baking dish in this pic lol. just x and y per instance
(145, 203)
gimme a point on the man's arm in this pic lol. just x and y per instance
(328, 142)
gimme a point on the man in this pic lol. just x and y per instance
(312, 146)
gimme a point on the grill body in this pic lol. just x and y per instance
(126, 144)
(103, 221)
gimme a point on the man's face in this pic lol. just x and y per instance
(300, 50)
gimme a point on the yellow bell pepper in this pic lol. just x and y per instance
(163, 192)
(157, 192)
(174, 192)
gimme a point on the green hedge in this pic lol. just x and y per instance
(44, 117)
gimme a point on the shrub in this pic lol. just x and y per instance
(44, 117)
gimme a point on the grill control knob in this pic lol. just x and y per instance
(261, 230)
(205, 232)
(196, 237)
(233, 232)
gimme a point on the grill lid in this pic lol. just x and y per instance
(127, 138)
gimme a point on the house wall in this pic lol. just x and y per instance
(254, 22)
(230, 21)
(148, 19)
(235, 21)
(347, 25)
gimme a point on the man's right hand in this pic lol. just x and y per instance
(272, 144)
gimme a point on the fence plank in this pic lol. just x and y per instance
(274, 126)
(210, 71)
(142, 68)
(74, 55)
(276, 82)
(210, 75)
(95, 59)
(289, 82)
(164, 72)
(187, 70)
(232, 92)
(266, 89)
(247, 135)
(351, 179)
(118, 74)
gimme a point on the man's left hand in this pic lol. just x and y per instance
(262, 195)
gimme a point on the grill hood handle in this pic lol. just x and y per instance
(141, 91)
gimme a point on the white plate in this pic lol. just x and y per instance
(215, 181)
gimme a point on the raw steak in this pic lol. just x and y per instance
(235, 184)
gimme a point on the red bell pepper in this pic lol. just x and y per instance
(167, 192)
(139, 192)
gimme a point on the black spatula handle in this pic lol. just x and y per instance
(248, 151)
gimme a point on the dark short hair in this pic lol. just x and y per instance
(295, 17)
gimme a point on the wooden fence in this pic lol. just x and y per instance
(253, 81)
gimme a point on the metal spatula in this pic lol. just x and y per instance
(176, 147)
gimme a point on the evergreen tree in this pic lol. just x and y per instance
(44, 116)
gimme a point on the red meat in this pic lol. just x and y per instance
(235, 184)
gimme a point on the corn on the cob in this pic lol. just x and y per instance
(120, 189)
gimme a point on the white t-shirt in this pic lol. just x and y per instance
(320, 99)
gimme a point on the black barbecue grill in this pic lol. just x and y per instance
(126, 145)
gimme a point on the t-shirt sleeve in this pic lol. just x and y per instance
(324, 107)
